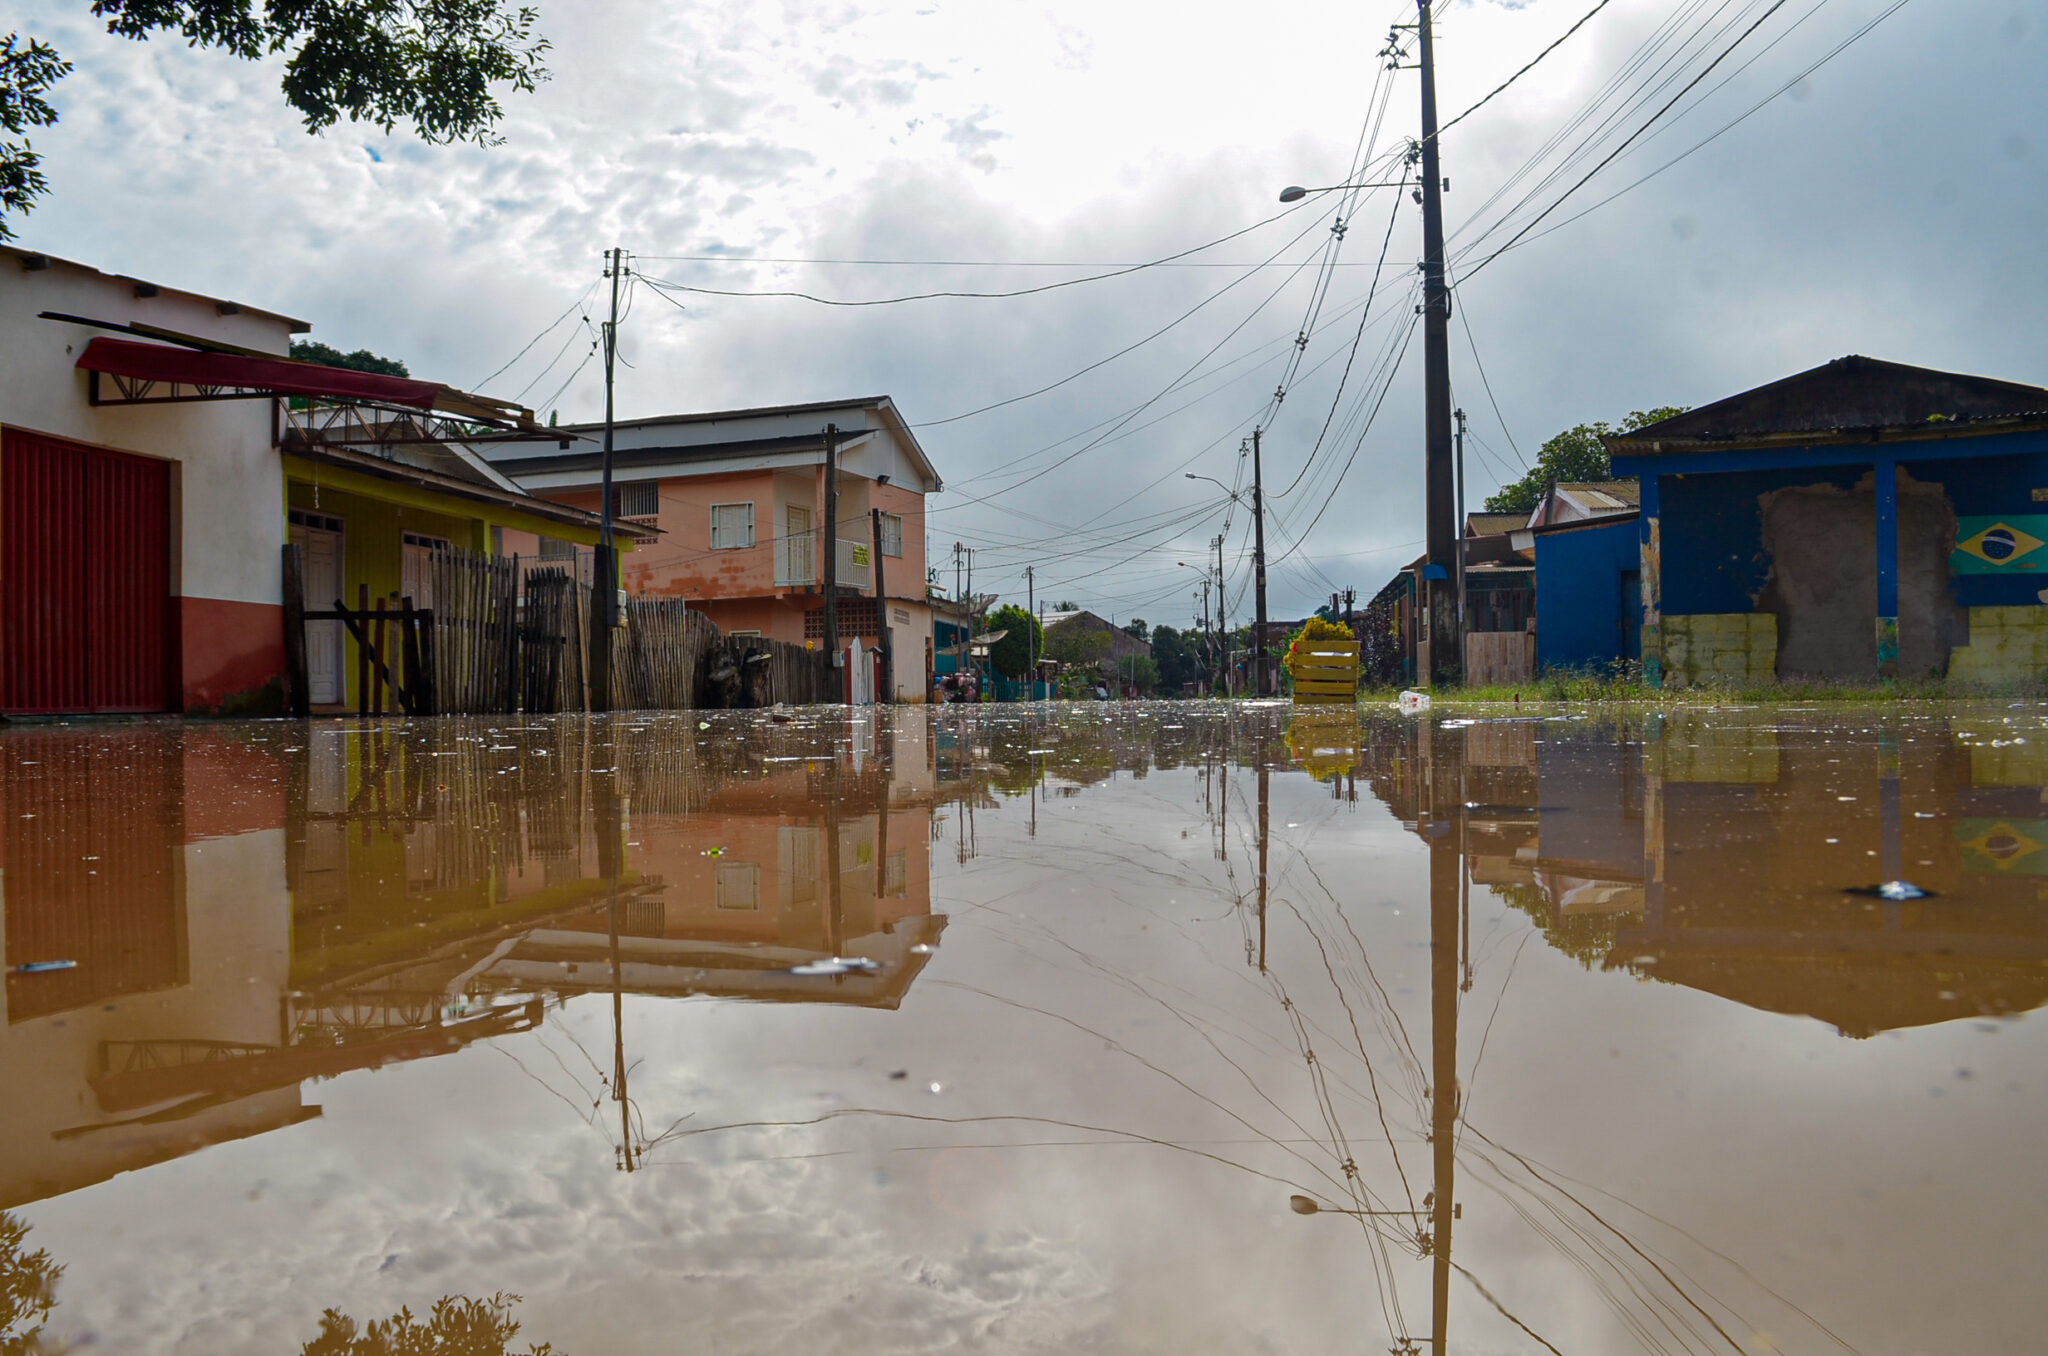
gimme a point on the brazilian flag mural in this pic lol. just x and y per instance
(2000, 545)
(2004, 846)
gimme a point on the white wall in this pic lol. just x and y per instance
(229, 490)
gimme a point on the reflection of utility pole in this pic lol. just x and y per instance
(1262, 863)
(611, 849)
(1446, 868)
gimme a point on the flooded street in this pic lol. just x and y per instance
(1061, 1029)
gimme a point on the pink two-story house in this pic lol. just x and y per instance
(740, 498)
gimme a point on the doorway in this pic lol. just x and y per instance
(318, 537)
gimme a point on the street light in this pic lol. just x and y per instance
(1295, 192)
(1218, 484)
(1308, 1205)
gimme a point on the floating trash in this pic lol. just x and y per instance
(837, 965)
(1891, 889)
(714, 852)
(45, 967)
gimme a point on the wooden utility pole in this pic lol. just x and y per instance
(1031, 636)
(832, 545)
(1263, 682)
(1459, 415)
(1440, 531)
(1222, 627)
(604, 574)
(888, 693)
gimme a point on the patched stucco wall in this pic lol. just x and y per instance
(1738, 647)
(1822, 544)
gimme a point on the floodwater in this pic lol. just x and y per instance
(1016, 1030)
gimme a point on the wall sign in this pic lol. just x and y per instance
(2000, 545)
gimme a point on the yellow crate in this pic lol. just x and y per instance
(1326, 671)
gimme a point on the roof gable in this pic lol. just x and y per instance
(1849, 395)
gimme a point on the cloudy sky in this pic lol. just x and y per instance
(1887, 203)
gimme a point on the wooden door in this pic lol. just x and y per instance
(318, 537)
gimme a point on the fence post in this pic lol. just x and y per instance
(363, 651)
(298, 699)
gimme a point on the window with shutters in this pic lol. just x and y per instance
(732, 526)
(554, 548)
(892, 534)
(737, 886)
(639, 499)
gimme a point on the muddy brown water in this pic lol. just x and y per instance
(1035, 1030)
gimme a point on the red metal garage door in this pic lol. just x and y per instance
(84, 578)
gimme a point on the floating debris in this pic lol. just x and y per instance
(1891, 889)
(45, 967)
(837, 965)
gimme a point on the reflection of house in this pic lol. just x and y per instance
(245, 917)
(141, 484)
(1721, 856)
(740, 496)
(1859, 519)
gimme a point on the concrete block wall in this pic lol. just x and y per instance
(2007, 645)
(1720, 647)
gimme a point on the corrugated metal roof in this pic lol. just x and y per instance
(1853, 395)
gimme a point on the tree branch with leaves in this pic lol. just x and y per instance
(434, 65)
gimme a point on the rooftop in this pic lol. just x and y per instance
(1849, 399)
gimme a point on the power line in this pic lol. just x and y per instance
(1524, 71)
(992, 296)
(1629, 140)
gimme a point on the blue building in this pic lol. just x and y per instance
(1862, 519)
(1588, 592)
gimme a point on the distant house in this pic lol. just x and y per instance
(740, 498)
(1859, 519)
(1566, 502)
(1122, 645)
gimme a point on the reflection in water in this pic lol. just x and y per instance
(1179, 930)
(456, 1324)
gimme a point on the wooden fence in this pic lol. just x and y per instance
(659, 655)
(493, 635)
(1499, 658)
(475, 602)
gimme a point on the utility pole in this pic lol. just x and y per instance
(1222, 628)
(832, 544)
(888, 693)
(957, 594)
(1263, 684)
(1030, 635)
(1441, 533)
(604, 574)
(1459, 415)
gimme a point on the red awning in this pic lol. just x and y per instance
(159, 362)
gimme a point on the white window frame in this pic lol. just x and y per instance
(718, 545)
(755, 635)
(892, 532)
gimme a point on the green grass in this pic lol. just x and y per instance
(1626, 685)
